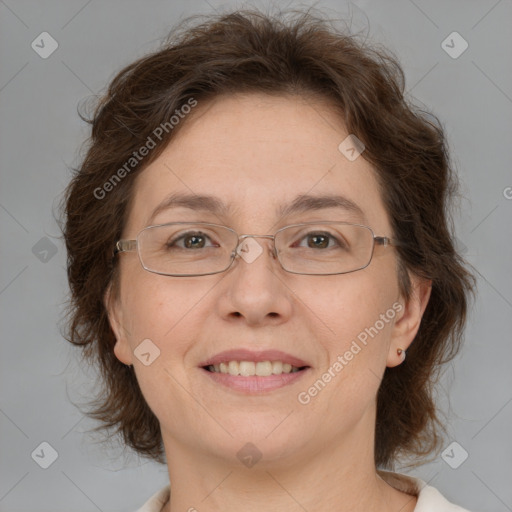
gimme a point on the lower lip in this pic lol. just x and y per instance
(255, 384)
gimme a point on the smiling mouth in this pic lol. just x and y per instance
(251, 368)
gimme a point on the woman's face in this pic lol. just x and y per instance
(257, 154)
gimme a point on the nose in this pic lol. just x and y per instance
(253, 289)
(249, 249)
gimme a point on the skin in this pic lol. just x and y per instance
(257, 152)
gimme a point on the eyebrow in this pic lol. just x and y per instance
(301, 204)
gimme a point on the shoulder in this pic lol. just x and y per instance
(157, 501)
(429, 498)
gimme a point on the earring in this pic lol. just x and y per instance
(401, 353)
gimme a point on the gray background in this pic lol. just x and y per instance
(40, 138)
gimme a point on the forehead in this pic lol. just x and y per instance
(259, 159)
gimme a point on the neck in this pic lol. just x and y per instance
(342, 479)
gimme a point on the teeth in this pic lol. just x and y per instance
(250, 368)
(233, 368)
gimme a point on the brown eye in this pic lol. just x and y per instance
(322, 240)
(194, 241)
(190, 241)
(318, 241)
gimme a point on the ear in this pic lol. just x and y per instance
(122, 348)
(408, 320)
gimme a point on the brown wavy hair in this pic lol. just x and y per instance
(292, 53)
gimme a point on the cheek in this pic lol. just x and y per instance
(163, 320)
(358, 316)
(156, 308)
(356, 300)
(169, 312)
(356, 344)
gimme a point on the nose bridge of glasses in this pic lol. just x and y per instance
(241, 239)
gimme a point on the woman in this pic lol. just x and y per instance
(257, 237)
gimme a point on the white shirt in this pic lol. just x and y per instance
(429, 498)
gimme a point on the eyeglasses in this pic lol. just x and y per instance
(184, 249)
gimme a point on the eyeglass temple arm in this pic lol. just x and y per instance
(384, 240)
(125, 246)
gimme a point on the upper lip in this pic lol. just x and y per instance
(253, 355)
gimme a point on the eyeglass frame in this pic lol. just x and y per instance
(125, 245)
